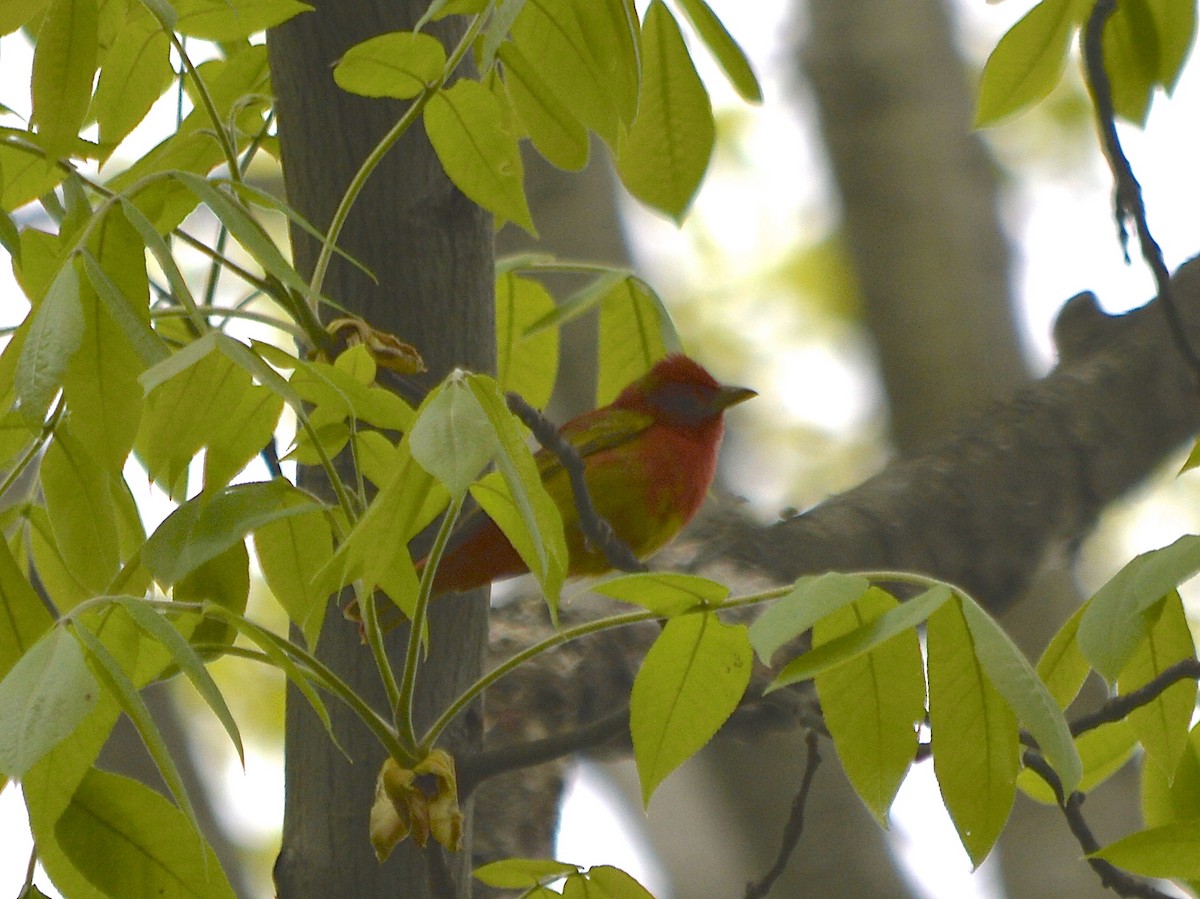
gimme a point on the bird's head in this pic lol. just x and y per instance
(679, 391)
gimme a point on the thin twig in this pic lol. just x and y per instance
(1120, 706)
(596, 530)
(1111, 877)
(1127, 192)
(475, 769)
(795, 824)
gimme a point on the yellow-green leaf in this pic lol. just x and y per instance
(872, 704)
(54, 335)
(291, 552)
(135, 72)
(23, 616)
(466, 128)
(43, 698)
(1027, 62)
(81, 511)
(527, 365)
(974, 734)
(398, 64)
(635, 332)
(1162, 725)
(1171, 850)
(663, 157)
(724, 48)
(556, 133)
(129, 841)
(64, 62)
(231, 20)
(690, 682)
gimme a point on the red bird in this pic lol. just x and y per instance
(649, 457)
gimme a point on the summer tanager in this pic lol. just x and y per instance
(649, 457)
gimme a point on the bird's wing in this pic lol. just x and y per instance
(594, 433)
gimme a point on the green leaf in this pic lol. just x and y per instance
(1162, 725)
(525, 364)
(848, 646)
(1014, 678)
(466, 128)
(578, 66)
(157, 627)
(523, 510)
(1169, 796)
(1062, 667)
(291, 552)
(519, 873)
(223, 580)
(665, 593)
(100, 384)
(690, 682)
(1115, 623)
(43, 698)
(452, 438)
(26, 177)
(338, 395)
(23, 616)
(612, 36)
(208, 525)
(556, 133)
(238, 87)
(811, 599)
(80, 506)
(54, 335)
(232, 20)
(635, 332)
(61, 586)
(200, 399)
(398, 64)
(376, 549)
(662, 159)
(244, 228)
(64, 62)
(974, 734)
(1131, 59)
(129, 841)
(617, 884)
(724, 49)
(1171, 850)
(150, 348)
(16, 13)
(135, 72)
(1103, 751)
(119, 684)
(873, 703)
(1027, 62)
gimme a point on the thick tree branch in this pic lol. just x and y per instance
(981, 507)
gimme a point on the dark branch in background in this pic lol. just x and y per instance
(596, 530)
(491, 762)
(1127, 192)
(1111, 877)
(982, 507)
(795, 824)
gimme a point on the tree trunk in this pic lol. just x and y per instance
(430, 250)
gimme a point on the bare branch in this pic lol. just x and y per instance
(596, 530)
(795, 824)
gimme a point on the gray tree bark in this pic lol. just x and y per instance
(430, 250)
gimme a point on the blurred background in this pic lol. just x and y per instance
(876, 270)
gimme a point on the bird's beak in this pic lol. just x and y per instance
(730, 396)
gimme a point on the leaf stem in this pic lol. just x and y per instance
(403, 709)
(375, 157)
